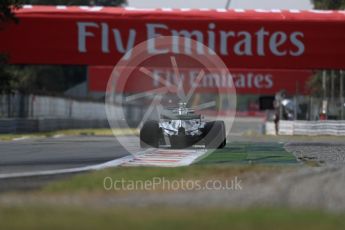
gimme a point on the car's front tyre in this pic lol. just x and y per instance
(150, 134)
(215, 135)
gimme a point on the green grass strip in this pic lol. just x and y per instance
(66, 217)
(250, 153)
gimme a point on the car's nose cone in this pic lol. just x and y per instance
(181, 131)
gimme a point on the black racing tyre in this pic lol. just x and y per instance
(150, 134)
(215, 137)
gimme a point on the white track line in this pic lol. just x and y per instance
(112, 163)
(21, 138)
(149, 157)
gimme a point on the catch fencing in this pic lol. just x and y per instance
(32, 113)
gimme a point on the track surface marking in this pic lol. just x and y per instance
(166, 157)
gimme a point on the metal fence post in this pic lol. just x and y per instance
(341, 94)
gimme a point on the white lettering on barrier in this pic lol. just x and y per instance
(220, 79)
(238, 43)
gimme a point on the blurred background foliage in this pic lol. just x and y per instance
(329, 4)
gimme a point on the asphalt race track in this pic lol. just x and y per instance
(69, 152)
(31, 155)
(66, 152)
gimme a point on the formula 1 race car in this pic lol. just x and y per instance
(181, 127)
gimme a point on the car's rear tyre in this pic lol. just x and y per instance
(215, 137)
(150, 134)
